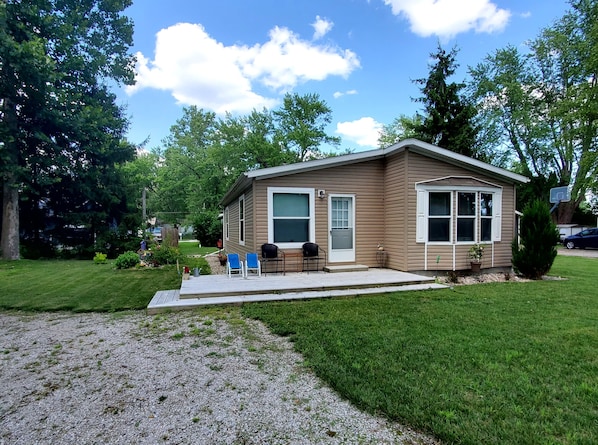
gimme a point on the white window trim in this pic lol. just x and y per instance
(312, 214)
(422, 212)
(227, 223)
(242, 224)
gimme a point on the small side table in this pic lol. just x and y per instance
(381, 258)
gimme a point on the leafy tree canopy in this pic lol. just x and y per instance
(541, 107)
(60, 129)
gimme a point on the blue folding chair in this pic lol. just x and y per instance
(252, 264)
(234, 265)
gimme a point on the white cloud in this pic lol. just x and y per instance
(365, 131)
(447, 18)
(338, 94)
(321, 27)
(199, 70)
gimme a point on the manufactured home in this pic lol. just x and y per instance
(411, 207)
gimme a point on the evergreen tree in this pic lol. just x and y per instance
(534, 254)
(448, 117)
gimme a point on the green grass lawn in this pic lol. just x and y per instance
(192, 248)
(502, 363)
(80, 286)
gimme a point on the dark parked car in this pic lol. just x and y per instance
(583, 239)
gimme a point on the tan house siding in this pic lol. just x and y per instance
(496, 254)
(233, 245)
(365, 181)
(383, 185)
(395, 240)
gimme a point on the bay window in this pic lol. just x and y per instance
(451, 215)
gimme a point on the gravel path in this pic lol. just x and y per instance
(181, 378)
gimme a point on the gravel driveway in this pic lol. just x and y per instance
(180, 378)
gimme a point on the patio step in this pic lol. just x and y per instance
(193, 303)
(347, 268)
(219, 289)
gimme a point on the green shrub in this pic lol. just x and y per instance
(534, 254)
(165, 255)
(100, 258)
(207, 228)
(127, 260)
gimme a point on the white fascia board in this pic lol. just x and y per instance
(316, 164)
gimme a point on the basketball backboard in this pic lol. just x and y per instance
(560, 194)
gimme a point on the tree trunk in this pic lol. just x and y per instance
(10, 219)
(565, 212)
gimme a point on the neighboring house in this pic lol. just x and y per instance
(425, 205)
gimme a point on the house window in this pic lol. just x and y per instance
(486, 216)
(242, 220)
(458, 216)
(466, 216)
(290, 216)
(439, 217)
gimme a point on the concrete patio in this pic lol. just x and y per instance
(220, 289)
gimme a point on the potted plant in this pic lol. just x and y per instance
(475, 255)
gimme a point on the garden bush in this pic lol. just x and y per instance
(100, 258)
(165, 255)
(207, 228)
(127, 260)
(534, 254)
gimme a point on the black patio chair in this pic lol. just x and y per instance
(271, 254)
(312, 253)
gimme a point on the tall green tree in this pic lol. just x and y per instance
(301, 125)
(448, 119)
(402, 127)
(204, 155)
(59, 124)
(543, 104)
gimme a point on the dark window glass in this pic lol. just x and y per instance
(291, 230)
(486, 229)
(440, 204)
(439, 229)
(465, 229)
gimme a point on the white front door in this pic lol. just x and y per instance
(341, 225)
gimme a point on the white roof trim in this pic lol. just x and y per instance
(418, 146)
(316, 164)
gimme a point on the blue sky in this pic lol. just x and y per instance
(360, 56)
